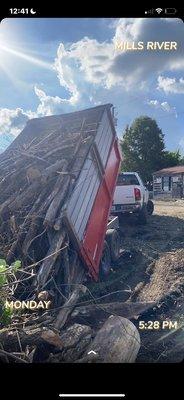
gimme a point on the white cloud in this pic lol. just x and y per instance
(65, 74)
(92, 71)
(164, 106)
(98, 63)
(86, 60)
(12, 121)
(139, 66)
(171, 85)
(49, 104)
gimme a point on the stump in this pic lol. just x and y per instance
(118, 341)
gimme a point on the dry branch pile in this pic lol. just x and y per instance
(34, 185)
(37, 176)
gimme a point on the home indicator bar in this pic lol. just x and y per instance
(92, 395)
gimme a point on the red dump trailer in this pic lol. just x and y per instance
(81, 196)
(88, 209)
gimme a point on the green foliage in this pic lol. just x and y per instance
(5, 269)
(3, 277)
(171, 158)
(3, 262)
(16, 265)
(143, 149)
(6, 315)
(182, 160)
(5, 272)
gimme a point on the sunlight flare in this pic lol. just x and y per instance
(26, 57)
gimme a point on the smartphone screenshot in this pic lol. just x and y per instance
(91, 199)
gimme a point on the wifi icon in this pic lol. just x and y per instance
(159, 10)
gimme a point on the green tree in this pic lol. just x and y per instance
(182, 160)
(143, 147)
(171, 158)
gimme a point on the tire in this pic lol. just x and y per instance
(105, 263)
(150, 207)
(142, 216)
(113, 240)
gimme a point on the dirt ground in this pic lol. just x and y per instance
(158, 275)
(161, 237)
(151, 268)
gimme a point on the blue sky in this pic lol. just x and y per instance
(51, 66)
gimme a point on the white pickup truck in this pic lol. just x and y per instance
(131, 196)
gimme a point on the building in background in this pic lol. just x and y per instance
(168, 183)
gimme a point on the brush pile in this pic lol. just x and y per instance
(38, 174)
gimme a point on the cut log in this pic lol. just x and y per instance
(57, 186)
(54, 168)
(52, 338)
(118, 341)
(68, 307)
(72, 335)
(57, 201)
(67, 276)
(101, 311)
(73, 271)
(75, 340)
(32, 232)
(49, 262)
(34, 336)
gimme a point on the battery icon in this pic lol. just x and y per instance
(170, 11)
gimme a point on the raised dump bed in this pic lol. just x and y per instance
(58, 179)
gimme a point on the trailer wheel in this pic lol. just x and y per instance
(113, 240)
(150, 207)
(105, 263)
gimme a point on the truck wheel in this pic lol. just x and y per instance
(113, 240)
(142, 216)
(150, 207)
(105, 263)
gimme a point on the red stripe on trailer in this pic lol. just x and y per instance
(92, 245)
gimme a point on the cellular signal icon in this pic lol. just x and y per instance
(149, 11)
(159, 10)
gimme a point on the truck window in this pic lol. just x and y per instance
(128, 179)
